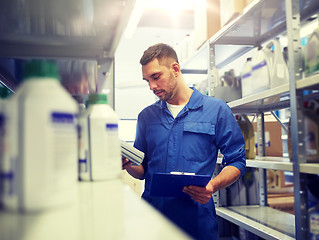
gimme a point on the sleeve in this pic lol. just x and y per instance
(140, 140)
(230, 140)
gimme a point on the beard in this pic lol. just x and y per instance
(166, 95)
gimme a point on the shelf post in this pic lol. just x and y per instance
(297, 127)
(106, 79)
(212, 72)
(262, 183)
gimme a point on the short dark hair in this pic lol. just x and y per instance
(159, 51)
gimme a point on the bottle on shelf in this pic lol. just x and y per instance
(313, 213)
(261, 65)
(3, 140)
(83, 147)
(99, 129)
(42, 134)
(312, 53)
(248, 134)
(269, 68)
(246, 78)
(278, 67)
(311, 134)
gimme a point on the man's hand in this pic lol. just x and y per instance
(200, 194)
(126, 163)
(225, 178)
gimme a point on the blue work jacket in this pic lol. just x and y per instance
(189, 143)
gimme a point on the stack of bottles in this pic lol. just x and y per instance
(41, 146)
(266, 69)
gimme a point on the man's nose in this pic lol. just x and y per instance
(152, 85)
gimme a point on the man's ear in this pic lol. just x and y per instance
(176, 68)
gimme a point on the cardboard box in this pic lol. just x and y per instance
(273, 139)
(229, 9)
(206, 21)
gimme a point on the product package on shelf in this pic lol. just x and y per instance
(312, 54)
(100, 158)
(40, 165)
(273, 140)
(311, 136)
(247, 130)
(266, 69)
(228, 87)
(278, 68)
(247, 84)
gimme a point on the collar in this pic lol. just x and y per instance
(195, 101)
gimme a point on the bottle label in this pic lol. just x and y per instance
(112, 127)
(83, 163)
(246, 75)
(64, 140)
(259, 65)
(62, 118)
(314, 224)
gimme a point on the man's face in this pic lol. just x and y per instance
(160, 79)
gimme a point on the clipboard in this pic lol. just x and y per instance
(171, 185)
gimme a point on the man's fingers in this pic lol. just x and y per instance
(198, 194)
(125, 163)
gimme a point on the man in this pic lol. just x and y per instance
(183, 132)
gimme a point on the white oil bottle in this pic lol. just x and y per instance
(279, 69)
(312, 53)
(261, 70)
(246, 79)
(247, 130)
(3, 140)
(103, 139)
(83, 162)
(9, 156)
(45, 173)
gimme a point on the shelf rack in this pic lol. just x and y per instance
(260, 22)
(279, 163)
(272, 99)
(102, 210)
(63, 29)
(265, 222)
(68, 30)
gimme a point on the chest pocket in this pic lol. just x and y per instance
(198, 141)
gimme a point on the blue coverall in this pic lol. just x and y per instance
(189, 143)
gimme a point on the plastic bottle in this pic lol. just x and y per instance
(248, 134)
(246, 78)
(312, 53)
(84, 166)
(44, 173)
(278, 67)
(313, 213)
(311, 135)
(3, 140)
(261, 65)
(104, 158)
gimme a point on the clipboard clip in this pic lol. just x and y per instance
(182, 173)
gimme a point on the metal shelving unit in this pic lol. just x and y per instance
(64, 30)
(262, 21)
